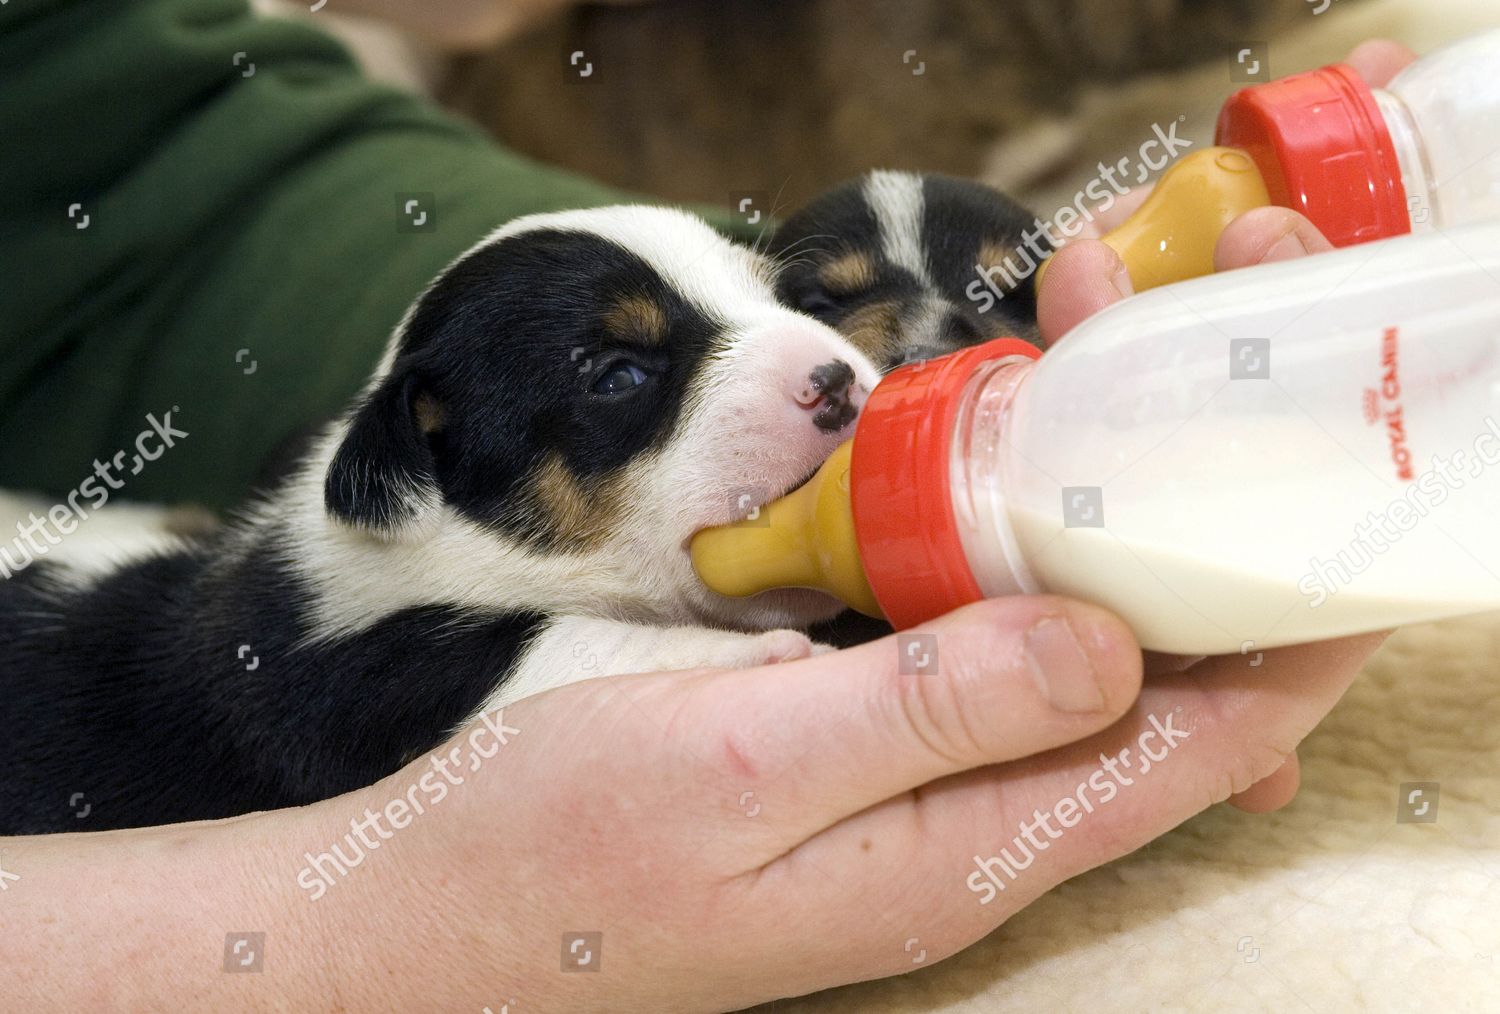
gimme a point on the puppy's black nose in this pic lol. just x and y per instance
(829, 394)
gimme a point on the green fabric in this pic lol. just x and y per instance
(226, 212)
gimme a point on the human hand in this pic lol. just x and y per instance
(1087, 276)
(738, 836)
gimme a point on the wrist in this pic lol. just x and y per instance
(210, 913)
(134, 919)
(382, 890)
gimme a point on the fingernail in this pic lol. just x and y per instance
(1284, 249)
(1062, 668)
(1122, 281)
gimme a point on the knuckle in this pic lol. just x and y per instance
(931, 713)
(1247, 767)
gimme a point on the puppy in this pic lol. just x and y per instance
(506, 508)
(911, 266)
(908, 267)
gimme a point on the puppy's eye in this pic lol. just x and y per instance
(817, 303)
(619, 378)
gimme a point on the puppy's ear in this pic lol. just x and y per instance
(382, 477)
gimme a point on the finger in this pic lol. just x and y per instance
(1273, 791)
(1113, 216)
(1082, 278)
(924, 860)
(1266, 235)
(839, 733)
(1379, 60)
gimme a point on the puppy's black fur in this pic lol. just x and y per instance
(134, 692)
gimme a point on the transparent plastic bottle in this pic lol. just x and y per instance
(1443, 114)
(1270, 456)
(1363, 164)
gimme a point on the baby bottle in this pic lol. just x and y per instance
(1361, 163)
(1288, 453)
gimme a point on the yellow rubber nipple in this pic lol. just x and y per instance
(804, 540)
(1171, 237)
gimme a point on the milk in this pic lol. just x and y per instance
(1178, 602)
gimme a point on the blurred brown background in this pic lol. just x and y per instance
(698, 99)
(707, 99)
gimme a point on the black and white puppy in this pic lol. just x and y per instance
(507, 508)
(912, 266)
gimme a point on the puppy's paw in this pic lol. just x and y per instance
(784, 646)
(723, 650)
(747, 651)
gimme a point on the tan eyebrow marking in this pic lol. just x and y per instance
(638, 317)
(851, 273)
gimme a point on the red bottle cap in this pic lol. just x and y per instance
(899, 486)
(1324, 149)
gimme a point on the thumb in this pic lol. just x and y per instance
(821, 739)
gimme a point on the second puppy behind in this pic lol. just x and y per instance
(910, 266)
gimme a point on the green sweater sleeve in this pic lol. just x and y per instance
(213, 214)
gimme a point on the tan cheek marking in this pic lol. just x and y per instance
(875, 329)
(638, 317)
(577, 516)
(849, 274)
